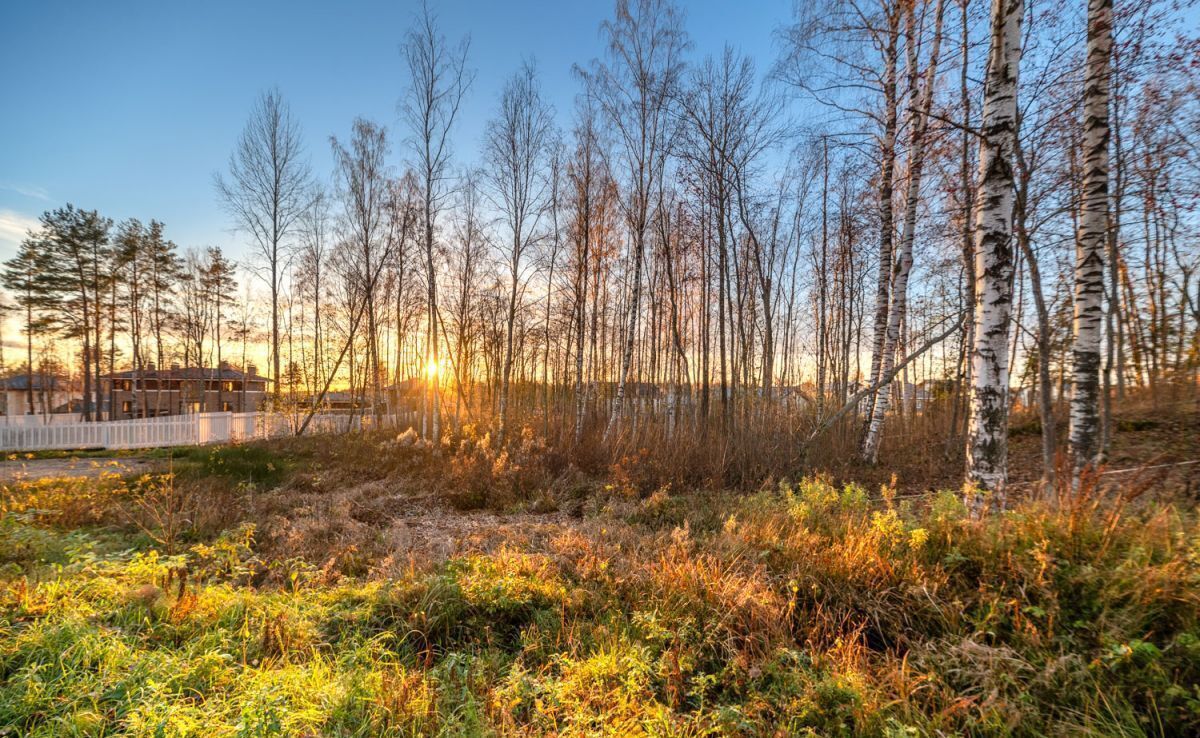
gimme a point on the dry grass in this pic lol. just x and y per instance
(338, 588)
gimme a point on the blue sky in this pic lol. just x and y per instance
(130, 107)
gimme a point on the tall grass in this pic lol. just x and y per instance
(804, 609)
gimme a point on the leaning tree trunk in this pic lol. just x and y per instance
(1090, 242)
(1044, 349)
(987, 435)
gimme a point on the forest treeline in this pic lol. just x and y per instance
(905, 206)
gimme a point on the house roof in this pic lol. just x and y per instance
(21, 382)
(413, 385)
(342, 396)
(189, 372)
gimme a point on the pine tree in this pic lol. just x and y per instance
(219, 286)
(77, 267)
(24, 276)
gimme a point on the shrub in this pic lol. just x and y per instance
(484, 472)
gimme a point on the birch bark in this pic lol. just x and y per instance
(987, 433)
(904, 260)
(1090, 242)
(887, 155)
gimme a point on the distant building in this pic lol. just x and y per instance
(402, 396)
(51, 394)
(182, 390)
(405, 395)
(337, 400)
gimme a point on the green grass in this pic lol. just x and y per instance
(95, 453)
(804, 610)
(254, 463)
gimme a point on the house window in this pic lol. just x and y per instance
(127, 407)
(227, 407)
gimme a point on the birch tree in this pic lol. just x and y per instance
(437, 82)
(987, 429)
(635, 90)
(467, 266)
(516, 149)
(922, 101)
(266, 191)
(586, 176)
(717, 90)
(312, 271)
(1091, 241)
(364, 191)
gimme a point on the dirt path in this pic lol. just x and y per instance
(11, 471)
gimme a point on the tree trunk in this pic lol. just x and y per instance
(1090, 242)
(987, 436)
(887, 155)
(635, 302)
(903, 265)
(1045, 388)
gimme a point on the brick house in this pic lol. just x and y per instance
(182, 390)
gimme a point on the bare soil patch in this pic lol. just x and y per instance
(87, 468)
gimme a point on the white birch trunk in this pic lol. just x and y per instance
(1090, 241)
(904, 260)
(887, 153)
(987, 433)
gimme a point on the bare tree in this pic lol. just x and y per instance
(365, 191)
(467, 268)
(516, 149)
(845, 54)
(313, 264)
(586, 174)
(717, 94)
(438, 80)
(266, 191)
(635, 90)
(921, 96)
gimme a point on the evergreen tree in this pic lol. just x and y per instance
(24, 276)
(77, 266)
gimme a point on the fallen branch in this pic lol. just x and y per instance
(884, 380)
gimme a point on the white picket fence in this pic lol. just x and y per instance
(180, 430)
(39, 419)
